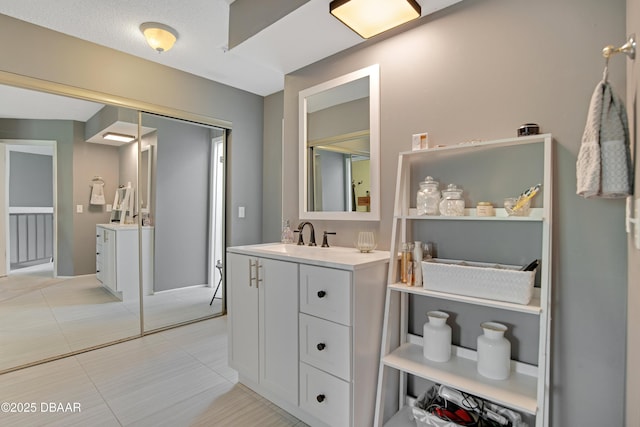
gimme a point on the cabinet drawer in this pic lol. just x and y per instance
(326, 293)
(326, 345)
(324, 396)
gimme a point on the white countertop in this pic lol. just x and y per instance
(118, 226)
(333, 257)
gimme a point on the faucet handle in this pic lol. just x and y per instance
(325, 242)
(300, 240)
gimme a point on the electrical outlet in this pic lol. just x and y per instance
(109, 207)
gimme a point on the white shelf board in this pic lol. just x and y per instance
(464, 147)
(532, 308)
(519, 391)
(535, 215)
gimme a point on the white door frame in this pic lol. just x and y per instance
(29, 145)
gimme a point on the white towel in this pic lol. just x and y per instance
(97, 193)
(603, 168)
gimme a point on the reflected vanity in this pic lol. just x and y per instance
(339, 146)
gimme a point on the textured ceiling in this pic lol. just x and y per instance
(257, 65)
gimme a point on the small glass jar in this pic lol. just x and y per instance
(428, 197)
(452, 203)
(485, 209)
(512, 207)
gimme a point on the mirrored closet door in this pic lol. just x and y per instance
(78, 208)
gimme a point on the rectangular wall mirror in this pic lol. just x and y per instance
(339, 148)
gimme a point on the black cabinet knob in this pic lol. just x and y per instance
(321, 294)
(321, 346)
(320, 398)
(97, 271)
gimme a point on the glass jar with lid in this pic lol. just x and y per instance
(428, 197)
(452, 203)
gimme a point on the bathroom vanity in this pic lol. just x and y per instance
(117, 259)
(305, 326)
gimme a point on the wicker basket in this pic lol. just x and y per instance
(478, 279)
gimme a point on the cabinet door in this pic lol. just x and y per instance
(278, 310)
(242, 306)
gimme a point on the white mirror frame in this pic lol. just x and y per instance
(373, 72)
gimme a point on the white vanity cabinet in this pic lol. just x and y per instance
(117, 259)
(263, 315)
(329, 334)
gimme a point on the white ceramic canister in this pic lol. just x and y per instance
(494, 352)
(437, 337)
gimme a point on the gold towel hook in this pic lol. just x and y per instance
(629, 49)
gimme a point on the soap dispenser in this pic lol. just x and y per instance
(287, 233)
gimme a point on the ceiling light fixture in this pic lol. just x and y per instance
(159, 36)
(371, 17)
(120, 137)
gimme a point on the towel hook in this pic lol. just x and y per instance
(629, 49)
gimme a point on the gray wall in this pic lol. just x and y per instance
(271, 166)
(31, 180)
(54, 57)
(633, 334)
(477, 71)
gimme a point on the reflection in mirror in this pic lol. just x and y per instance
(187, 215)
(52, 301)
(339, 145)
(68, 273)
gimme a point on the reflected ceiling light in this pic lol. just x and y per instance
(159, 36)
(371, 17)
(120, 137)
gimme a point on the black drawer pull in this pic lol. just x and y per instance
(321, 346)
(321, 294)
(320, 398)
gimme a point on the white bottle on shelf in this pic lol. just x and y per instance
(436, 335)
(494, 352)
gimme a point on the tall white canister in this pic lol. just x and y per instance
(437, 337)
(494, 352)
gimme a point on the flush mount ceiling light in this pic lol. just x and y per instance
(371, 17)
(159, 36)
(120, 137)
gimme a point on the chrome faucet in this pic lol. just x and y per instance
(312, 237)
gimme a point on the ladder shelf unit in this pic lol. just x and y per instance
(527, 389)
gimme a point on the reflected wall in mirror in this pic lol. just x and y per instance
(187, 170)
(68, 274)
(339, 148)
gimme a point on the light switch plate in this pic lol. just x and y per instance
(109, 207)
(79, 208)
(240, 211)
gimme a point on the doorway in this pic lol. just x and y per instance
(28, 198)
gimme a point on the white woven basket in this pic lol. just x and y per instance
(478, 279)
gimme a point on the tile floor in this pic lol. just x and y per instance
(175, 378)
(42, 317)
